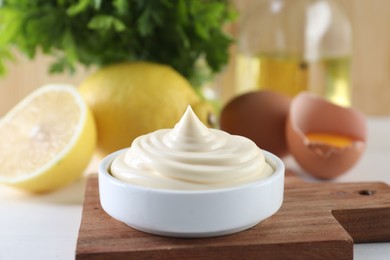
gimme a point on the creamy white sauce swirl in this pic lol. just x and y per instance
(191, 157)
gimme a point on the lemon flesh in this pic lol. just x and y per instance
(135, 98)
(47, 140)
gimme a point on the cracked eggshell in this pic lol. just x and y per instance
(310, 113)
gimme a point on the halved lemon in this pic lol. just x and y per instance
(47, 140)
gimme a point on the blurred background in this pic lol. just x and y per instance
(370, 63)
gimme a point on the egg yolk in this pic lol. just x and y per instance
(330, 139)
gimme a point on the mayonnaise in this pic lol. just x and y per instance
(191, 157)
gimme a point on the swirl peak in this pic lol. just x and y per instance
(190, 126)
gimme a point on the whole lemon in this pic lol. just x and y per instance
(134, 98)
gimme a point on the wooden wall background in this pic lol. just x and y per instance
(370, 67)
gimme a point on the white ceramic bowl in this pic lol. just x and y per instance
(203, 213)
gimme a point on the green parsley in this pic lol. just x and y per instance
(185, 34)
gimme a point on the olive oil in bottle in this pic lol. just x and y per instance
(294, 46)
(327, 77)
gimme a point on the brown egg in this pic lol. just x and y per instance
(260, 116)
(325, 139)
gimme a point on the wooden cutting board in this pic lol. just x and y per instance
(316, 221)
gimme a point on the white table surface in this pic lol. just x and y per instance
(46, 226)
